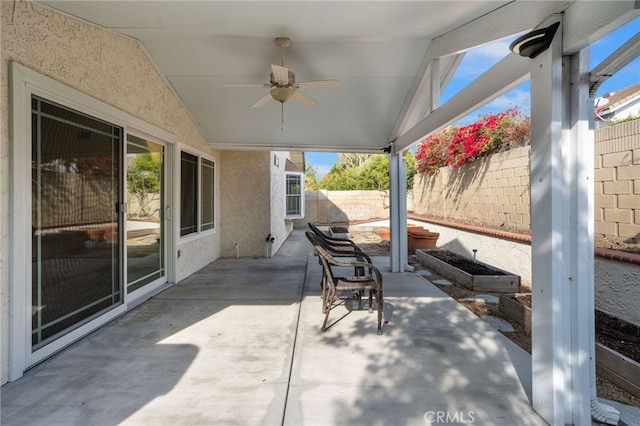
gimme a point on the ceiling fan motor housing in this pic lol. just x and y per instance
(292, 80)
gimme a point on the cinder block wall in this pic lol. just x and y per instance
(495, 190)
(491, 191)
(617, 181)
(344, 206)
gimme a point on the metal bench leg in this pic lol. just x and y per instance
(328, 302)
(380, 309)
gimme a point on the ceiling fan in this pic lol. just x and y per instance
(283, 83)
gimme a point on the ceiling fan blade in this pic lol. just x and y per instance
(245, 85)
(280, 74)
(318, 84)
(304, 99)
(263, 100)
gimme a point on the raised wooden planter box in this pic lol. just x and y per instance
(610, 364)
(618, 369)
(512, 308)
(490, 279)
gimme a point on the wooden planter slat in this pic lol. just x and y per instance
(618, 369)
(502, 282)
(516, 311)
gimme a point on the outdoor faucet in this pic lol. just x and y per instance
(269, 240)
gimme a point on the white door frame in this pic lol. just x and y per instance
(25, 83)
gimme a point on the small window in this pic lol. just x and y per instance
(294, 192)
(188, 194)
(206, 194)
(196, 194)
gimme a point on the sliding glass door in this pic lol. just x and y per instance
(145, 219)
(76, 187)
(78, 200)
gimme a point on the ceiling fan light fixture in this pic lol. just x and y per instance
(282, 94)
(283, 85)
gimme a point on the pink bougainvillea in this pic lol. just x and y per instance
(456, 145)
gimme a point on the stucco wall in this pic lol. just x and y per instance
(491, 250)
(617, 288)
(280, 227)
(616, 284)
(105, 66)
(245, 216)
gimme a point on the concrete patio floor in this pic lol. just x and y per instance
(239, 342)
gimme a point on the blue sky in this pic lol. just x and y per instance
(478, 60)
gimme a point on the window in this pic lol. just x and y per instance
(206, 194)
(294, 192)
(196, 194)
(188, 194)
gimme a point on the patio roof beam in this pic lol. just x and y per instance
(423, 97)
(614, 63)
(512, 18)
(502, 77)
(586, 22)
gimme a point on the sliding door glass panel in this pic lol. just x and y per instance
(145, 201)
(76, 182)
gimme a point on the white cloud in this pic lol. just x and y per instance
(518, 97)
(491, 51)
(478, 60)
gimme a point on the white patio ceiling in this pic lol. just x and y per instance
(376, 49)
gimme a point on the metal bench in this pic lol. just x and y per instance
(368, 278)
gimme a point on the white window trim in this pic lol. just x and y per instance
(26, 83)
(286, 194)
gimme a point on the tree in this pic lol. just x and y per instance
(375, 173)
(410, 163)
(310, 177)
(143, 181)
(363, 172)
(349, 160)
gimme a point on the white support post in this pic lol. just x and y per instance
(548, 236)
(398, 211)
(562, 237)
(579, 170)
(583, 142)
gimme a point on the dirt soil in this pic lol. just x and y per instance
(628, 246)
(369, 241)
(618, 335)
(464, 264)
